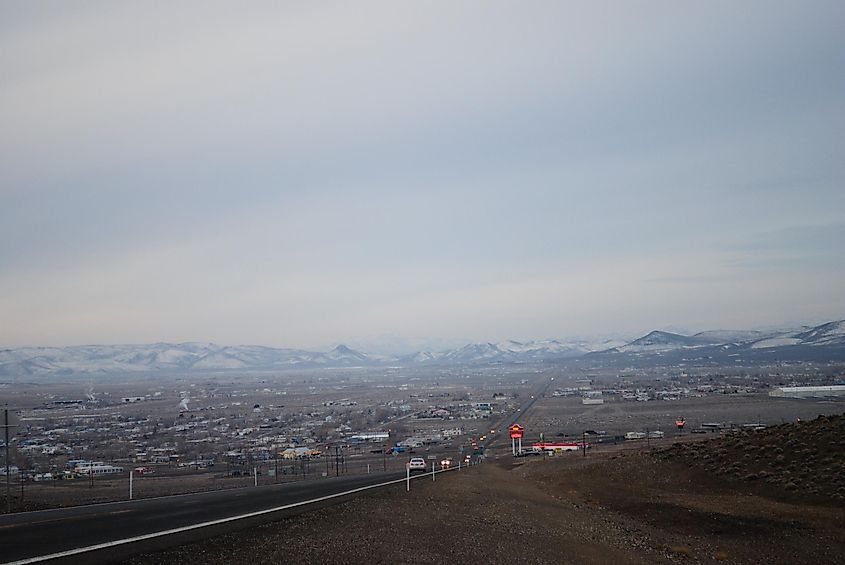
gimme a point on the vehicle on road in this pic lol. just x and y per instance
(416, 464)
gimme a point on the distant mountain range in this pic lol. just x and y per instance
(826, 341)
(829, 334)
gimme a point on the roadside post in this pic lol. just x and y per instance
(543, 440)
(255, 475)
(131, 473)
(407, 477)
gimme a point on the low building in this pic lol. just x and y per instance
(808, 391)
(371, 436)
(97, 468)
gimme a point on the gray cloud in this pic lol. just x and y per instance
(300, 174)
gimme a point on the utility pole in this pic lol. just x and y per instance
(336, 461)
(8, 475)
(9, 420)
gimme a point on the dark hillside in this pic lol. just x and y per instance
(805, 458)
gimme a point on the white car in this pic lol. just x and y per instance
(416, 464)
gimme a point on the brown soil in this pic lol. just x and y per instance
(612, 507)
(807, 458)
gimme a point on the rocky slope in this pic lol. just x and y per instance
(806, 458)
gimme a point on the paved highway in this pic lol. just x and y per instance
(31, 534)
(509, 419)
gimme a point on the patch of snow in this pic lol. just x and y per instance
(775, 342)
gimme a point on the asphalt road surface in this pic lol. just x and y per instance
(33, 534)
(509, 419)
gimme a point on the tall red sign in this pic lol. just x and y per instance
(516, 431)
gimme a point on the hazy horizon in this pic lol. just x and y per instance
(402, 345)
(302, 175)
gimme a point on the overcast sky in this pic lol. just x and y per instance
(303, 174)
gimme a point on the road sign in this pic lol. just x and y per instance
(516, 431)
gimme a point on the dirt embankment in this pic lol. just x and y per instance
(806, 458)
(632, 507)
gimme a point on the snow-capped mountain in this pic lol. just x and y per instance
(826, 341)
(663, 341)
(831, 333)
(544, 348)
(802, 343)
(347, 356)
(733, 336)
(163, 357)
(475, 352)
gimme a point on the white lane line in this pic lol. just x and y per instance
(115, 543)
